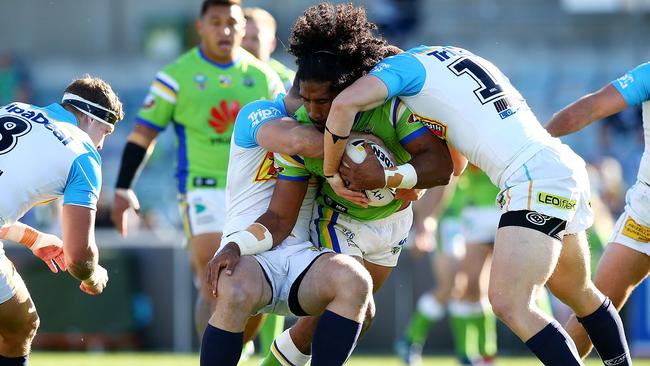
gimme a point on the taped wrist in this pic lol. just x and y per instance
(401, 176)
(22, 234)
(132, 159)
(255, 239)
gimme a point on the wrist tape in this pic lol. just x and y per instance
(255, 239)
(401, 176)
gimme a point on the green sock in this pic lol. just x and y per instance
(418, 328)
(465, 335)
(486, 324)
(273, 326)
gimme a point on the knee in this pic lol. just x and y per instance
(503, 306)
(371, 310)
(235, 295)
(354, 283)
(20, 337)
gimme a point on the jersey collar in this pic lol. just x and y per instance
(221, 66)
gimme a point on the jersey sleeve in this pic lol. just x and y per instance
(158, 107)
(408, 127)
(291, 167)
(634, 86)
(402, 74)
(84, 182)
(252, 117)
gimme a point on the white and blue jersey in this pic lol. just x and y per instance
(252, 172)
(634, 86)
(467, 101)
(44, 156)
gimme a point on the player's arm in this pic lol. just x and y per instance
(287, 136)
(460, 161)
(589, 108)
(47, 247)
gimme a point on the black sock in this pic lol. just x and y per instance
(605, 330)
(13, 361)
(220, 347)
(334, 339)
(553, 346)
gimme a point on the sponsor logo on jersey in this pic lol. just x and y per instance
(263, 114)
(504, 108)
(249, 82)
(556, 201)
(380, 67)
(636, 231)
(201, 81)
(438, 128)
(149, 101)
(40, 118)
(222, 116)
(625, 80)
(333, 204)
(267, 169)
(225, 81)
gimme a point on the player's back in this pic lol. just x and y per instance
(38, 147)
(466, 100)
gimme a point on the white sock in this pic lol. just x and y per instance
(285, 351)
(430, 307)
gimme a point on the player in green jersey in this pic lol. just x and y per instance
(260, 41)
(200, 94)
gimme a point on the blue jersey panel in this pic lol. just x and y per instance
(56, 111)
(402, 74)
(84, 182)
(635, 85)
(253, 116)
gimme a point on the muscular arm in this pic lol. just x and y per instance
(286, 136)
(431, 160)
(284, 209)
(364, 94)
(81, 254)
(590, 108)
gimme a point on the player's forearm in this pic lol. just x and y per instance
(20, 233)
(82, 263)
(339, 124)
(279, 227)
(573, 118)
(307, 141)
(138, 148)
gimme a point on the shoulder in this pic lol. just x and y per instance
(635, 84)
(252, 116)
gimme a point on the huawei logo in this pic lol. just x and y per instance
(223, 116)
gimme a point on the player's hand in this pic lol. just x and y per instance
(367, 175)
(338, 185)
(49, 248)
(96, 283)
(227, 259)
(123, 200)
(412, 194)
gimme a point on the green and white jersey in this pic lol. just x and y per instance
(473, 189)
(201, 99)
(286, 74)
(392, 122)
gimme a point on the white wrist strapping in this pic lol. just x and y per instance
(255, 239)
(401, 176)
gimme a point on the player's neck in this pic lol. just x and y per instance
(221, 60)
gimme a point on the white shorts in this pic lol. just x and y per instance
(282, 266)
(633, 226)
(452, 241)
(203, 211)
(554, 183)
(378, 241)
(7, 273)
(480, 224)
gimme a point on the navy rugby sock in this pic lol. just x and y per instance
(334, 339)
(605, 330)
(13, 361)
(553, 346)
(220, 347)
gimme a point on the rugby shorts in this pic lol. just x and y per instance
(203, 211)
(452, 241)
(632, 228)
(282, 266)
(553, 183)
(379, 241)
(7, 273)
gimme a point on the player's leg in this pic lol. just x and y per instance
(202, 249)
(18, 318)
(523, 261)
(571, 283)
(238, 297)
(619, 271)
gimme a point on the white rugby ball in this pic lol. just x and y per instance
(354, 149)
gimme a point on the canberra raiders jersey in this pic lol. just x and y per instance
(43, 156)
(252, 173)
(392, 122)
(635, 88)
(466, 100)
(201, 99)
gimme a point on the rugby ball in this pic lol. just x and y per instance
(354, 149)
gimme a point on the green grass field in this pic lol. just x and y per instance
(171, 359)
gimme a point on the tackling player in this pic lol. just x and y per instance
(200, 94)
(626, 260)
(544, 195)
(47, 153)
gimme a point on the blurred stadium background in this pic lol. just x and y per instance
(553, 50)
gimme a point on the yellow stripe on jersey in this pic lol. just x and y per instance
(163, 91)
(289, 160)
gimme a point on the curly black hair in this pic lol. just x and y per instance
(335, 43)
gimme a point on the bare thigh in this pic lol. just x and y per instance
(620, 271)
(202, 249)
(15, 316)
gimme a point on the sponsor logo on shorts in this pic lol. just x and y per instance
(537, 218)
(556, 201)
(335, 205)
(616, 360)
(636, 231)
(436, 127)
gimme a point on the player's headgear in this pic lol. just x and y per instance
(90, 109)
